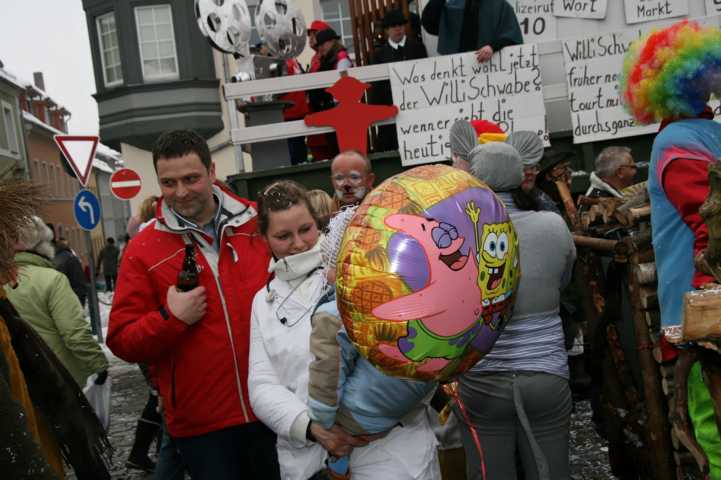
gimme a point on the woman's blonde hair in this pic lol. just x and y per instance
(147, 209)
(323, 205)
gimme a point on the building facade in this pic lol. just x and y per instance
(154, 71)
(43, 118)
(13, 154)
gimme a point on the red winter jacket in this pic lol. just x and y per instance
(200, 370)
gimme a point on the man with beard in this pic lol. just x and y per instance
(352, 177)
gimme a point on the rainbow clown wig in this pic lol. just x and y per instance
(671, 73)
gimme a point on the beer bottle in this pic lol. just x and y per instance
(188, 276)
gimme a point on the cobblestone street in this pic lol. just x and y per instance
(130, 392)
(588, 451)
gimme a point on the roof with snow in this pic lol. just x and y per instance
(11, 79)
(103, 153)
(29, 117)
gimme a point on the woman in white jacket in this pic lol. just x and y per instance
(280, 357)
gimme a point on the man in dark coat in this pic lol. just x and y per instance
(109, 258)
(483, 26)
(397, 48)
(68, 263)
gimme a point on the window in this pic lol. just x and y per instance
(337, 14)
(8, 130)
(109, 50)
(157, 42)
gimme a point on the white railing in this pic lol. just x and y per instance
(555, 94)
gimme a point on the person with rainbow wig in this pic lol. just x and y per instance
(668, 77)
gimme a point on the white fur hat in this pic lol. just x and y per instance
(35, 236)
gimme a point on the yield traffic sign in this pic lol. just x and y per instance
(86, 208)
(79, 151)
(125, 183)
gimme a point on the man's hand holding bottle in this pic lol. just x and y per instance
(186, 300)
(188, 307)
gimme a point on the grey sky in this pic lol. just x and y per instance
(51, 36)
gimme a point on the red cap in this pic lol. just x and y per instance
(484, 126)
(318, 25)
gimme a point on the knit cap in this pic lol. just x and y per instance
(497, 164)
(462, 138)
(528, 145)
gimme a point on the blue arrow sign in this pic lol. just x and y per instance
(86, 208)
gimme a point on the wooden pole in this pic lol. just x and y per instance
(568, 204)
(593, 243)
(658, 440)
(645, 273)
(681, 424)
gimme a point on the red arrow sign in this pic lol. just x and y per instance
(125, 183)
(79, 151)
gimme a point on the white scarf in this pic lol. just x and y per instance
(299, 265)
(297, 270)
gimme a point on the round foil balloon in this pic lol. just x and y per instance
(281, 25)
(427, 272)
(227, 24)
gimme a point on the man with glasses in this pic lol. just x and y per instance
(352, 178)
(615, 170)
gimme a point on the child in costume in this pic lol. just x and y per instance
(669, 76)
(344, 387)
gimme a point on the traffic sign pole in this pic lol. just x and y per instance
(93, 296)
(79, 151)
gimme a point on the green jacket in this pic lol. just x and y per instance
(44, 299)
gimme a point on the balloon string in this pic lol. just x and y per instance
(452, 390)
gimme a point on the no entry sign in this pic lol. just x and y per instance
(125, 183)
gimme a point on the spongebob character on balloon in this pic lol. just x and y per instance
(497, 260)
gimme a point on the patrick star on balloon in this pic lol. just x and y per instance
(437, 329)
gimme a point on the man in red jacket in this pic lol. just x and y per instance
(196, 342)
